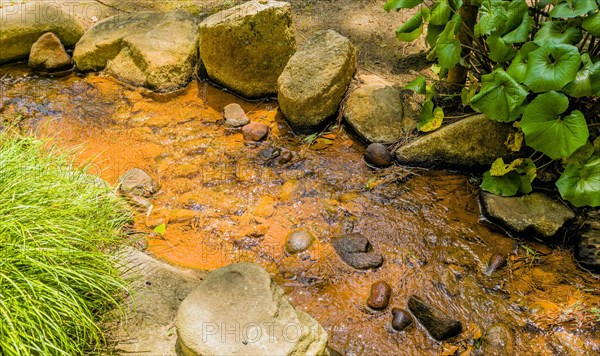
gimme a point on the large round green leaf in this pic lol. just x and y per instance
(400, 4)
(557, 32)
(518, 66)
(506, 185)
(581, 185)
(500, 97)
(521, 33)
(448, 48)
(592, 24)
(547, 132)
(587, 81)
(573, 8)
(551, 67)
(492, 16)
(440, 13)
(500, 51)
(411, 29)
(433, 34)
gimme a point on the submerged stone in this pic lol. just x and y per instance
(356, 250)
(401, 319)
(380, 295)
(299, 241)
(439, 325)
(136, 182)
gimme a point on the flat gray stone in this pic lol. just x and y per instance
(536, 212)
(157, 50)
(239, 310)
(473, 142)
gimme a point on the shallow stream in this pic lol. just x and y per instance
(222, 203)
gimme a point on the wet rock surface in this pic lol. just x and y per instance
(378, 155)
(245, 48)
(315, 79)
(23, 25)
(401, 319)
(380, 295)
(587, 248)
(158, 289)
(299, 241)
(356, 250)
(255, 131)
(498, 341)
(439, 325)
(375, 112)
(473, 142)
(136, 182)
(49, 55)
(537, 212)
(496, 262)
(235, 116)
(243, 294)
(157, 50)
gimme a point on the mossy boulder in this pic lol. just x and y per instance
(315, 80)
(471, 143)
(151, 49)
(22, 24)
(246, 47)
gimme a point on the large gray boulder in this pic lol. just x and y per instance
(315, 79)
(239, 310)
(535, 212)
(21, 24)
(474, 142)
(151, 49)
(375, 112)
(245, 48)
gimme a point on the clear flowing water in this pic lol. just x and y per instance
(222, 203)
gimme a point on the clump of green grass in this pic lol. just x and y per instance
(56, 224)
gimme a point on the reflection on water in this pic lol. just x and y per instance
(222, 202)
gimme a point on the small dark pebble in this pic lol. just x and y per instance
(285, 157)
(439, 324)
(496, 262)
(148, 283)
(269, 153)
(401, 319)
(378, 155)
(379, 298)
(356, 251)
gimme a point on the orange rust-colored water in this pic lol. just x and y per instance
(222, 203)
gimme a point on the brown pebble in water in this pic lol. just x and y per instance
(378, 155)
(285, 157)
(255, 131)
(380, 295)
(496, 262)
(400, 319)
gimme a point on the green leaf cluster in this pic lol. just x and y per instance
(535, 65)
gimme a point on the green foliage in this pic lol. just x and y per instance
(546, 131)
(56, 284)
(537, 62)
(500, 97)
